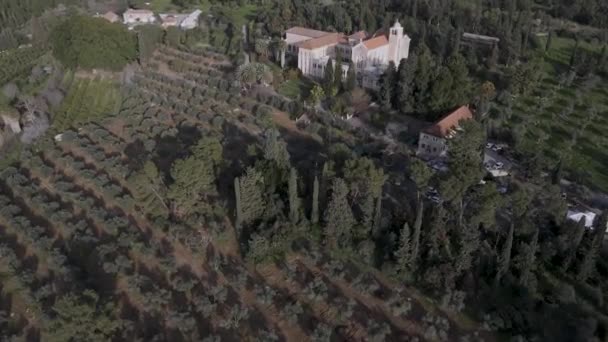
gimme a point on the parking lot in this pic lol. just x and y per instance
(495, 162)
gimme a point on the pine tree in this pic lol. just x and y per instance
(150, 191)
(294, 201)
(461, 90)
(575, 241)
(315, 202)
(403, 255)
(504, 260)
(339, 217)
(441, 90)
(351, 78)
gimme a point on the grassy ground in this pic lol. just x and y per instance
(86, 100)
(295, 88)
(568, 120)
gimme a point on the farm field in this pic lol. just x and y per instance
(566, 119)
(87, 99)
(71, 218)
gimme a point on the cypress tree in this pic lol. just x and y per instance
(592, 252)
(549, 41)
(528, 260)
(556, 176)
(293, 196)
(315, 202)
(387, 84)
(329, 79)
(404, 88)
(351, 78)
(422, 78)
(404, 252)
(575, 240)
(417, 231)
(239, 208)
(504, 259)
(251, 193)
(493, 59)
(338, 71)
(339, 217)
(378, 214)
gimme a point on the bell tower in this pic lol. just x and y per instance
(394, 41)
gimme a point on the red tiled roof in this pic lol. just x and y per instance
(306, 32)
(376, 42)
(138, 11)
(445, 125)
(329, 39)
(111, 16)
(358, 35)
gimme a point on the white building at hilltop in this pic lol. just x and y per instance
(138, 16)
(369, 54)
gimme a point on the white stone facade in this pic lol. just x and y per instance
(132, 17)
(369, 54)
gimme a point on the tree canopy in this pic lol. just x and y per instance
(91, 43)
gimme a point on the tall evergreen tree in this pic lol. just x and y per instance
(504, 260)
(351, 78)
(338, 72)
(387, 84)
(420, 174)
(404, 90)
(461, 90)
(492, 61)
(575, 240)
(329, 79)
(239, 208)
(252, 198)
(403, 255)
(422, 78)
(314, 217)
(549, 41)
(441, 91)
(339, 220)
(597, 238)
(527, 262)
(150, 191)
(294, 201)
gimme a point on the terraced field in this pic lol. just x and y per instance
(69, 221)
(566, 119)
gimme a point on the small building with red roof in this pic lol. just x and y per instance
(433, 139)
